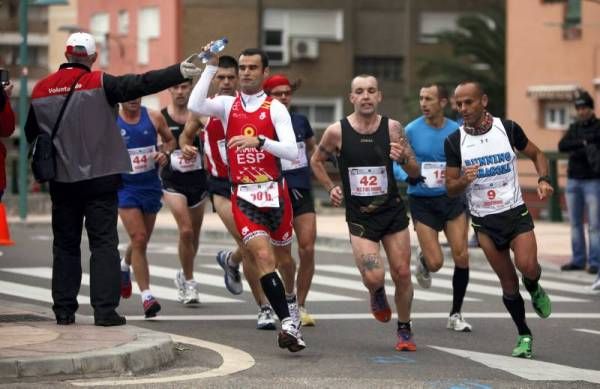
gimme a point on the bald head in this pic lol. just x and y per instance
(371, 80)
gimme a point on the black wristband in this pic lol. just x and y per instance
(545, 178)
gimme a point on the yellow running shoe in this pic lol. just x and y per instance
(306, 319)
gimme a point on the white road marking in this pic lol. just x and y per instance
(529, 369)
(594, 332)
(365, 316)
(218, 281)
(438, 282)
(160, 292)
(234, 361)
(34, 292)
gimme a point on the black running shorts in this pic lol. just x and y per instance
(503, 227)
(435, 211)
(375, 226)
(302, 201)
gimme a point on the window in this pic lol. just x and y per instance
(148, 28)
(556, 115)
(99, 28)
(572, 23)
(432, 23)
(123, 22)
(321, 112)
(384, 68)
(279, 26)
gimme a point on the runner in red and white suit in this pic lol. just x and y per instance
(259, 131)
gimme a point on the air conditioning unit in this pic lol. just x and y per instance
(305, 48)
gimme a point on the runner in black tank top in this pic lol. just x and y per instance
(184, 191)
(365, 144)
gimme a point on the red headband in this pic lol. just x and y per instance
(275, 81)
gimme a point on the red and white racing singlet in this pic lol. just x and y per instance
(215, 148)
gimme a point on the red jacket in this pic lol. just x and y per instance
(7, 127)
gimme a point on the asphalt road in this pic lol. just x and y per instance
(348, 348)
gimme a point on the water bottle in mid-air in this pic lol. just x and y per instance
(215, 47)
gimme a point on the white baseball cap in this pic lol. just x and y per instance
(81, 44)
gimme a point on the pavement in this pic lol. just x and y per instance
(32, 345)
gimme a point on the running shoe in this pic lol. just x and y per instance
(541, 302)
(524, 347)
(458, 324)
(294, 312)
(266, 319)
(126, 283)
(379, 306)
(421, 273)
(191, 295)
(596, 284)
(290, 336)
(233, 279)
(151, 307)
(405, 341)
(180, 285)
(305, 318)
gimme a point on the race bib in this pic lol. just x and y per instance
(368, 180)
(263, 195)
(488, 194)
(434, 174)
(222, 145)
(185, 165)
(142, 159)
(298, 163)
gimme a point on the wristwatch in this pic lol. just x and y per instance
(545, 178)
(261, 141)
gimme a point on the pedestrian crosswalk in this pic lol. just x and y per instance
(331, 283)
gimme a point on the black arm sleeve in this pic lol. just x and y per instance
(452, 150)
(32, 128)
(571, 141)
(119, 89)
(516, 135)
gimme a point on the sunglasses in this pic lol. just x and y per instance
(281, 94)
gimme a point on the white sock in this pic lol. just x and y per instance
(124, 265)
(290, 297)
(146, 295)
(230, 261)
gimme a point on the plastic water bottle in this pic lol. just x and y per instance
(215, 47)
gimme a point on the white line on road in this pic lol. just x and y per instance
(528, 369)
(594, 332)
(234, 361)
(365, 316)
(160, 292)
(34, 292)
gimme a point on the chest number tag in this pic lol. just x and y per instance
(263, 195)
(434, 173)
(142, 159)
(183, 165)
(368, 181)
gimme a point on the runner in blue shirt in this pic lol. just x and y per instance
(139, 198)
(431, 209)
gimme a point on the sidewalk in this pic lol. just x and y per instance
(32, 345)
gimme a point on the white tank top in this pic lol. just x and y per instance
(496, 188)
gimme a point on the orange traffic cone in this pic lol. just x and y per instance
(4, 232)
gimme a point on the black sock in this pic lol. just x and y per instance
(516, 307)
(532, 285)
(460, 280)
(403, 326)
(273, 288)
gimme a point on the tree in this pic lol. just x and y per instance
(478, 53)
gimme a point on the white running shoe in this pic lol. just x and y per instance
(458, 324)
(421, 273)
(266, 319)
(191, 293)
(596, 284)
(233, 279)
(180, 285)
(290, 336)
(294, 312)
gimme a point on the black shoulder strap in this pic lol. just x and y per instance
(62, 110)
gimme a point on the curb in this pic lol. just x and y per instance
(149, 351)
